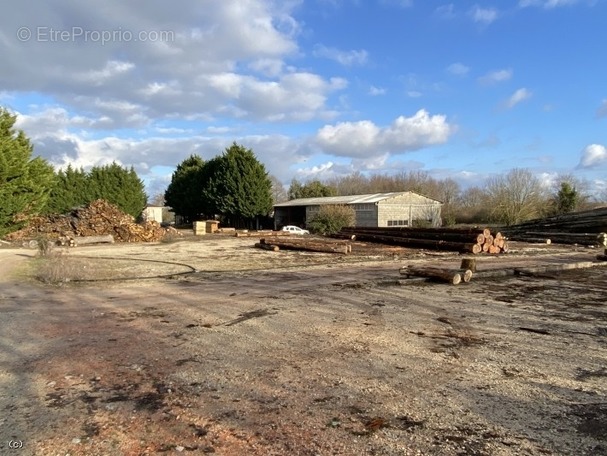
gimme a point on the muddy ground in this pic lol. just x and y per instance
(209, 346)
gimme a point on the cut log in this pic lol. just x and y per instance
(555, 268)
(445, 275)
(87, 240)
(273, 248)
(468, 263)
(308, 245)
(467, 275)
(480, 239)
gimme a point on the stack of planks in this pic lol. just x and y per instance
(462, 240)
(575, 228)
(307, 244)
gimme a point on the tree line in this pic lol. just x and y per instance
(31, 186)
(505, 199)
(236, 188)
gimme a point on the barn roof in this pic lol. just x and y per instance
(350, 199)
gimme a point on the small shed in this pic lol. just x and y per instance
(372, 210)
(152, 214)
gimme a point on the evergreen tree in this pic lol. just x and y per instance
(239, 186)
(71, 190)
(25, 182)
(184, 193)
(567, 199)
(119, 186)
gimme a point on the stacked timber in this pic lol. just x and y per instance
(98, 218)
(462, 240)
(579, 228)
(311, 245)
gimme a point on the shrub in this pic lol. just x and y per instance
(331, 219)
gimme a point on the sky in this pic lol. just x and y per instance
(316, 88)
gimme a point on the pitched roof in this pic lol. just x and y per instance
(350, 199)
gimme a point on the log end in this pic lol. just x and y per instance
(467, 275)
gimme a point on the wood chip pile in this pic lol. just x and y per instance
(463, 240)
(96, 219)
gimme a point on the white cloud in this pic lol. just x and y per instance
(602, 111)
(458, 69)
(364, 139)
(398, 3)
(445, 11)
(517, 97)
(496, 76)
(112, 68)
(548, 4)
(322, 171)
(414, 93)
(235, 45)
(375, 91)
(483, 15)
(592, 156)
(345, 58)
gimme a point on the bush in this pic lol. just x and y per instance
(331, 219)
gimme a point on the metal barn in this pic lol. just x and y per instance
(374, 210)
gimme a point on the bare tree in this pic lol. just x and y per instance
(157, 200)
(515, 197)
(279, 193)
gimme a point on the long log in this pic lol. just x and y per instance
(311, 246)
(461, 247)
(445, 275)
(273, 248)
(86, 240)
(437, 234)
(261, 233)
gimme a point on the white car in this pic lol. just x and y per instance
(294, 229)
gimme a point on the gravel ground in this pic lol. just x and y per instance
(287, 353)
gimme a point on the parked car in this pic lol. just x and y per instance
(294, 229)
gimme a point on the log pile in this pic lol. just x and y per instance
(579, 228)
(98, 218)
(462, 240)
(311, 245)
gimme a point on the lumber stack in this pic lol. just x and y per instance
(462, 240)
(575, 228)
(311, 245)
(99, 218)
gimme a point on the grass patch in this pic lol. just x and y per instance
(57, 267)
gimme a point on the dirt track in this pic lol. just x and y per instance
(338, 358)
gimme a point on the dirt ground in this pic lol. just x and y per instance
(210, 346)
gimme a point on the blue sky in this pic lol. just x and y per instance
(318, 88)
